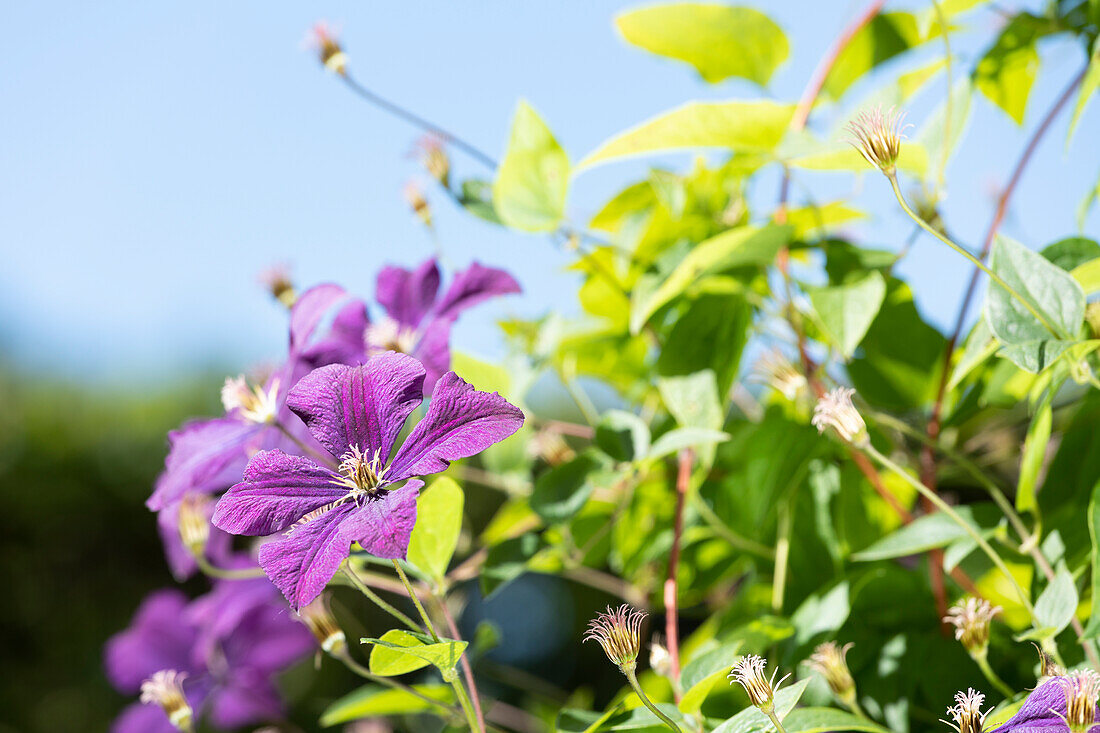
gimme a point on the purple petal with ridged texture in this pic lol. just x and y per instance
(460, 422)
(277, 490)
(471, 286)
(408, 296)
(345, 341)
(1041, 712)
(159, 637)
(383, 524)
(219, 614)
(245, 698)
(180, 560)
(308, 311)
(363, 406)
(301, 562)
(203, 456)
(268, 639)
(433, 350)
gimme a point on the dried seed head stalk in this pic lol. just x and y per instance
(829, 661)
(835, 410)
(750, 672)
(971, 618)
(877, 136)
(967, 712)
(619, 633)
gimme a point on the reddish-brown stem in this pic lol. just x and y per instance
(672, 620)
(467, 670)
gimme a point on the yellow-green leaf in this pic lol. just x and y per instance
(720, 41)
(372, 700)
(533, 179)
(400, 651)
(756, 125)
(1008, 69)
(1089, 85)
(913, 159)
(886, 36)
(438, 523)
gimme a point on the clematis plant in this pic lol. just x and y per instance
(357, 494)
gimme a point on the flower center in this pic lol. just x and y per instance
(252, 404)
(389, 335)
(360, 473)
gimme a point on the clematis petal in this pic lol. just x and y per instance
(277, 490)
(344, 343)
(382, 526)
(204, 456)
(309, 310)
(143, 718)
(1041, 712)
(247, 697)
(434, 351)
(408, 295)
(472, 286)
(159, 637)
(363, 406)
(180, 560)
(268, 639)
(304, 559)
(460, 422)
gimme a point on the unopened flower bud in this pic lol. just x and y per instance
(416, 201)
(194, 522)
(276, 279)
(967, 712)
(971, 619)
(433, 156)
(877, 136)
(835, 410)
(619, 633)
(750, 672)
(660, 661)
(165, 688)
(1047, 666)
(252, 404)
(317, 616)
(829, 661)
(777, 371)
(1082, 689)
(322, 38)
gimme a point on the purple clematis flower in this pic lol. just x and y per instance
(361, 495)
(418, 320)
(1045, 710)
(227, 646)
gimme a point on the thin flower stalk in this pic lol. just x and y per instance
(751, 673)
(377, 600)
(672, 620)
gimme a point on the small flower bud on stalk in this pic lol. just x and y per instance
(777, 371)
(165, 688)
(1047, 666)
(877, 136)
(194, 522)
(318, 618)
(835, 410)
(967, 712)
(749, 672)
(276, 280)
(619, 633)
(322, 38)
(415, 198)
(971, 618)
(1082, 689)
(660, 661)
(829, 661)
(433, 156)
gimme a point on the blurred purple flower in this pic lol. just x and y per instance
(356, 413)
(229, 644)
(1044, 710)
(418, 320)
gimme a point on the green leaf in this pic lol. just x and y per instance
(718, 40)
(677, 439)
(561, 492)
(639, 718)
(815, 221)
(1008, 69)
(922, 534)
(912, 159)
(1035, 356)
(710, 334)
(693, 399)
(1035, 449)
(739, 247)
(1089, 85)
(1072, 252)
(1056, 605)
(980, 345)
(371, 701)
(507, 561)
(477, 198)
(1048, 288)
(533, 179)
(1093, 629)
(846, 311)
(824, 612)
(828, 720)
(933, 137)
(751, 720)
(622, 435)
(756, 125)
(438, 524)
(703, 672)
(886, 36)
(399, 652)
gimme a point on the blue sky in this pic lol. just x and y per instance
(156, 156)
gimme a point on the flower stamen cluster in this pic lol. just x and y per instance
(389, 335)
(877, 136)
(776, 370)
(972, 618)
(835, 410)
(1081, 689)
(362, 475)
(829, 661)
(750, 672)
(252, 404)
(194, 522)
(619, 633)
(967, 712)
(318, 618)
(165, 688)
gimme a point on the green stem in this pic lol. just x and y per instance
(464, 701)
(782, 556)
(775, 721)
(974, 260)
(365, 673)
(647, 702)
(365, 590)
(946, 509)
(853, 705)
(983, 664)
(416, 600)
(227, 573)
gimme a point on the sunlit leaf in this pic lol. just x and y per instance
(371, 701)
(533, 179)
(1050, 290)
(1089, 85)
(438, 524)
(399, 652)
(886, 36)
(1008, 69)
(846, 311)
(703, 672)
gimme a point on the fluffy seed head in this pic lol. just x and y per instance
(1082, 689)
(750, 672)
(660, 661)
(835, 410)
(194, 522)
(619, 633)
(966, 713)
(877, 136)
(971, 618)
(829, 661)
(318, 618)
(165, 688)
(276, 280)
(322, 39)
(776, 370)
(251, 403)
